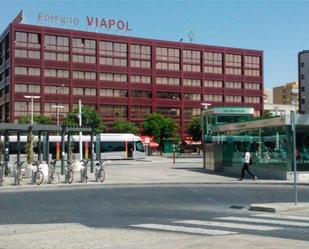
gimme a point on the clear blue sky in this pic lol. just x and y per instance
(279, 28)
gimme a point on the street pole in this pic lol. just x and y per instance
(80, 133)
(293, 127)
(205, 105)
(32, 97)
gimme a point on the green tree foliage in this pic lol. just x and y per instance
(37, 119)
(124, 126)
(195, 128)
(89, 118)
(160, 127)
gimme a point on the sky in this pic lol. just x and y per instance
(279, 28)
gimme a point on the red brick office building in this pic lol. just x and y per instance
(121, 77)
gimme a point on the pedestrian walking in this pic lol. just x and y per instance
(247, 162)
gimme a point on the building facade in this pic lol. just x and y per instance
(121, 77)
(303, 78)
(287, 94)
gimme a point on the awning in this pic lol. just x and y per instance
(190, 142)
(152, 144)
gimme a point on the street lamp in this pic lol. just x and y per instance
(58, 107)
(32, 97)
(205, 105)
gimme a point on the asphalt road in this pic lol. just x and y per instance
(162, 209)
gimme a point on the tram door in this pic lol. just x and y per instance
(130, 149)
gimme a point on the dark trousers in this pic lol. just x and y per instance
(246, 167)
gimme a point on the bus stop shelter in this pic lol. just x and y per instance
(269, 142)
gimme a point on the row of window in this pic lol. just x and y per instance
(115, 53)
(232, 99)
(86, 91)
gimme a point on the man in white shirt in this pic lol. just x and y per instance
(247, 158)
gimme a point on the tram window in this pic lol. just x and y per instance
(112, 146)
(13, 147)
(139, 146)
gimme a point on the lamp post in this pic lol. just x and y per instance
(205, 105)
(58, 111)
(32, 97)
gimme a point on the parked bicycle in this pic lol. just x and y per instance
(38, 175)
(99, 171)
(2, 169)
(53, 176)
(18, 176)
(83, 171)
(69, 173)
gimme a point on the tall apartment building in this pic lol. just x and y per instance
(287, 94)
(121, 77)
(303, 77)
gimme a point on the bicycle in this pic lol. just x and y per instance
(69, 173)
(1, 173)
(53, 176)
(99, 171)
(18, 172)
(83, 171)
(38, 175)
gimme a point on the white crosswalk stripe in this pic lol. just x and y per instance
(265, 221)
(287, 217)
(229, 225)
(194, 230)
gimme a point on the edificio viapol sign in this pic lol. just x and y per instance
(90, 21)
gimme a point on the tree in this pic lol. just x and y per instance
(124, 126)
(195, 128)
(89, 118)
(160, 127)
(38, 119)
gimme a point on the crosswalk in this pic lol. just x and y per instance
(231, 225)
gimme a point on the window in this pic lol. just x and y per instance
(84, 75)
(30, 71)
(114, 77)
(27, 54)
(191, 60)
(140, 79)
(169, 111)
(252, 72)
(192, 96)
(48, 107)
(233, 60)
(24, 107)
(27, 88)
(168, 95)
(302, 76)
(56, 89)
(113, 93)
(56, 43)
(53, 56)
(140, 111)
(113, 53)
(233, 84)
(49, 72)
(141, 94)
(168, 81)
(189, 113)
(114, 111)
(167, 58)
(191, 82)
(253, 86)
(233, 71)
(252, 62)
(302, 64)
(28, 40)
(213, 83)
(233, 99)
(213, 62)
(140, 56)
(251, 99)
(84, 46)
(84, 91)
(303, 89)
(213, 97)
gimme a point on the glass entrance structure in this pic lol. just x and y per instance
(269, 142)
